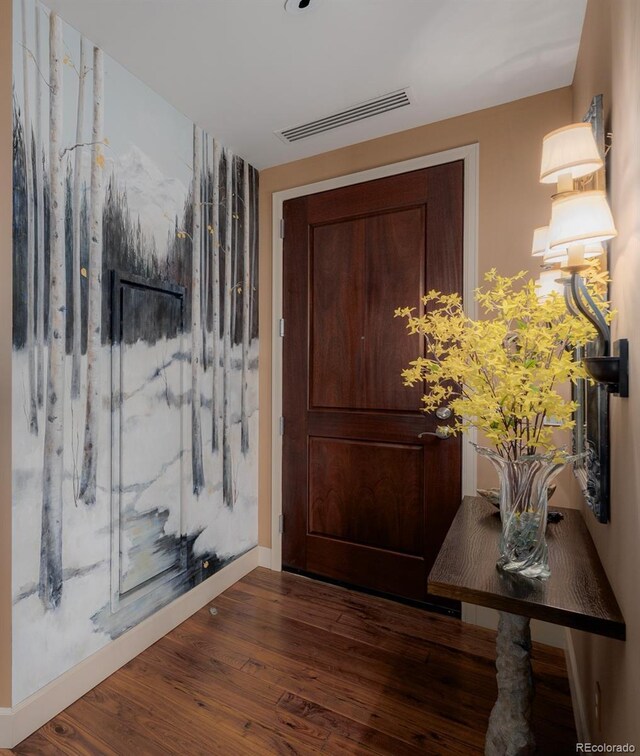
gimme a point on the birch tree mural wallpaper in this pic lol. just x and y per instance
(135, 363)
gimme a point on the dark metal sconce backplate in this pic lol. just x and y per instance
(591, 438)
(612, 370)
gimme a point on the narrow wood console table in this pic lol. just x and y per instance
(576, 595)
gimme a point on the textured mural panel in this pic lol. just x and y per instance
(135, 363)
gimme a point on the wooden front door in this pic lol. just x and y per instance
(366, 501)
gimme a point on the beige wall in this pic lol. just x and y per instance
(5, 351)
(512, 203)
(609, 63)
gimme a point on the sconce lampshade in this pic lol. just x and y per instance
(540, 244)
(581, 218)
(570, 150)
(547, 283)
(555, 256)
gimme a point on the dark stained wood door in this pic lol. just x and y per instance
(365, 500)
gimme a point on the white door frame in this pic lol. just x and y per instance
(470, 155)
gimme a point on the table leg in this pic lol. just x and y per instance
(509, 732)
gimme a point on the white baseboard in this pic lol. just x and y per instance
(577, 691)
(541, 632)
(264, 557)
(20, 721)
(5, 729)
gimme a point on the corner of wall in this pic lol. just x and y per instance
(609, 64)
(593, 65)
(577, 689)
(5, 348)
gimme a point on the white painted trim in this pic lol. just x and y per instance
(468, 613)
(264, 557)
(6, 729)
(276, 386)
(577, 691)
(469, 285)
(470, 155)
(19, 722)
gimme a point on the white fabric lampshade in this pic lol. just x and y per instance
(548, 282)
(540, 241)
(570, 150)
(580, 218)
(555, 256)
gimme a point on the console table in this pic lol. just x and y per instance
(576, 595)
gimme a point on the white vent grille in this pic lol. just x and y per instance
(383, 104)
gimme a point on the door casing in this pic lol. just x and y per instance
(470, 155)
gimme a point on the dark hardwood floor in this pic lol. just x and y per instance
(293, 666)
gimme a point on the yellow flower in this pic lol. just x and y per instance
(501, 373)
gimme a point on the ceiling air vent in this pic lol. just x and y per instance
(383, 104)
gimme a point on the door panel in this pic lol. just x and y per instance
(368, 493)
(337, 290)
(366, 500)
(395, 254)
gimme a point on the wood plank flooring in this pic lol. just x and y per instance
(287, 665)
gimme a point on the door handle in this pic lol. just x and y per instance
(442, 432)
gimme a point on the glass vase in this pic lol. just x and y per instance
(523, 510)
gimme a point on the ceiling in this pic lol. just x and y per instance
(243, 69)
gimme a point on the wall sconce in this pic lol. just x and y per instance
(578, 219)
(580, 222)
(569, 153)
(561, 257)
(547, 283)
(540, 246)
(572, 157)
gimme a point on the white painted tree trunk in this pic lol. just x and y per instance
(39, 214)
(94, 315)
(206, 257)
(246, 297)
(215, 298)
(50, 583)
(31, 300)
(227, 462)
(196, 316)
(76, 213)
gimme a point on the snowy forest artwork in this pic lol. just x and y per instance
(135, 360)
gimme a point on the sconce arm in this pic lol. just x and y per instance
(568, 299)
(590, 310)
